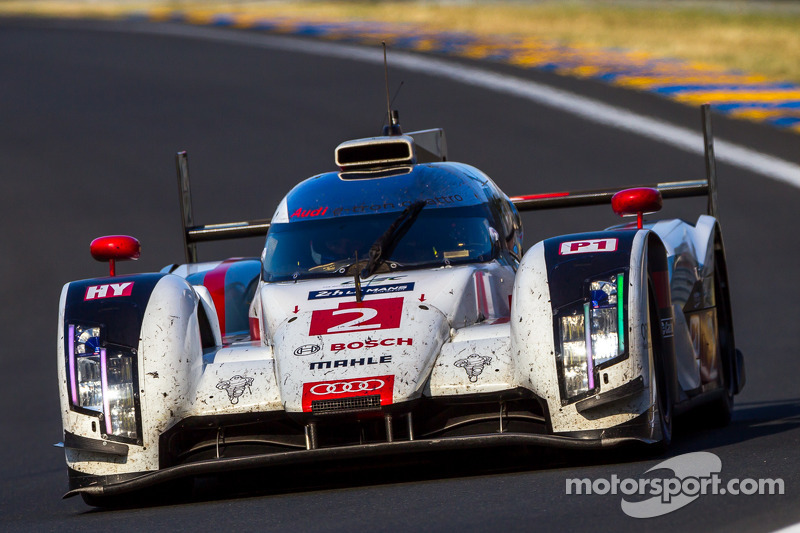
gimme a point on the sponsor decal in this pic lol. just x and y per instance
(109, 290)
(307, 349)
(348, 388)
(666, 327)
(364, 208)
(235, 387)
(357, 316)
(371, 343)
(305, 213)
(344, 363)
(473, 365)
(366, 290)
(588, 247)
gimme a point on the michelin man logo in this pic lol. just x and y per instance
(473, 365)
(235, 387)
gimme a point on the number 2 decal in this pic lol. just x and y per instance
(355, 316)
(360, 323)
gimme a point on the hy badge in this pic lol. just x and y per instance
(109, 290)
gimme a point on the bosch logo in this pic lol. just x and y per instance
(307, 349)
(349, 386)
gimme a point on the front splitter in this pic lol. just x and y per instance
(297, 457)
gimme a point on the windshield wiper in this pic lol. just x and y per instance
(386, 243)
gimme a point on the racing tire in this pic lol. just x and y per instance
(718, 412)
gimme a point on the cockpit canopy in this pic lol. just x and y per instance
(328, 220)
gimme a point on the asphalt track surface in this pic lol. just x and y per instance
(90, 124)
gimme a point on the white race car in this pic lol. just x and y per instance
(394, 311)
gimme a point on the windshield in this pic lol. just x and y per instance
(316, 248)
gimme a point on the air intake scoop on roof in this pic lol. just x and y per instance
(376, 152)
(391, 151)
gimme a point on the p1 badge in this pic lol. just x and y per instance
(589, 246)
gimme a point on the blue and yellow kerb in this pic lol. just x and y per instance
(737, 94)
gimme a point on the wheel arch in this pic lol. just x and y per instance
(732, 361)
(657, 286)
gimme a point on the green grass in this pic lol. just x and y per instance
(758, 37)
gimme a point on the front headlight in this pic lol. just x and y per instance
(582, 349)
(87, 380)
(102, 379)
(606, 319)
(574, 360)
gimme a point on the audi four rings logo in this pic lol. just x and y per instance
(307, 349)
(349, 386)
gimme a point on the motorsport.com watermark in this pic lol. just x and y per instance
(693, 475)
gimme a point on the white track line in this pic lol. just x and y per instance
(587, 108)
(794, 528)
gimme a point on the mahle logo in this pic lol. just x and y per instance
(693, 475)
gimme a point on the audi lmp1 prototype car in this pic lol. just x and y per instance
(394, 310)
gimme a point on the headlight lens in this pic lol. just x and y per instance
(102, 379)
(606, 316)
(120, 404)
(85, 373)
(574, 360)
(582, 349)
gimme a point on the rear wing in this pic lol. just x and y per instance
(193, 234)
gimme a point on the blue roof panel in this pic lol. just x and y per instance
(338, 194)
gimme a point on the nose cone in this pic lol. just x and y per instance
(381, 348)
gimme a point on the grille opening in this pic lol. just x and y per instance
(346, 405)
(237, 436)
(524, 415)
(367, 428)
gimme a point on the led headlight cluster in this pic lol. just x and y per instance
(582, 348)
(102, 379)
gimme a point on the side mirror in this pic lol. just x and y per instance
(637, 202)
(113, 248)
(495, 239)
